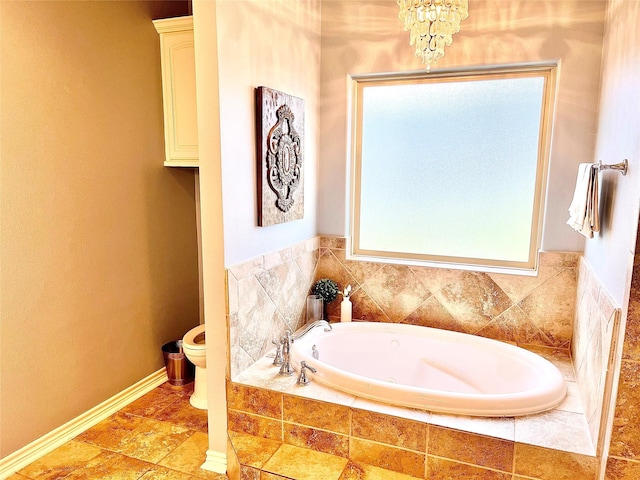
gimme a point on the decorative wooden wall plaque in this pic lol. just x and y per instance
(280, 124)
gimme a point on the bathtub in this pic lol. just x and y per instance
(430, 369)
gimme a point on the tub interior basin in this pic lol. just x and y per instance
(432, 369)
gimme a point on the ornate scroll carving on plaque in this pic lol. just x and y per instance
(284, 158)
(280, 157)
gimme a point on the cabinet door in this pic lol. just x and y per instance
(179, 99)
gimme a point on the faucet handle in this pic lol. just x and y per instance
(278, 360)
(302, 378)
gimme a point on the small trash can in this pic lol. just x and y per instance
(179, 369)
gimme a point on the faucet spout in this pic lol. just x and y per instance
(301, 332)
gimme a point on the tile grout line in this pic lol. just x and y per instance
(470, 464)
(193, 432)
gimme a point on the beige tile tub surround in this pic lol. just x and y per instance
(515, 308)
(564, 428)
(596, 324)
(534, 312)
(266, 295)
(356, 439)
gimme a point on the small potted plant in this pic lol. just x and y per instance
(328, 290)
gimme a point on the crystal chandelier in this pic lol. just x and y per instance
(431, 24)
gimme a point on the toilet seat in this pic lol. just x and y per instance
(193, 345)
(194, 339)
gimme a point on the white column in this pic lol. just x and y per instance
(213, 272)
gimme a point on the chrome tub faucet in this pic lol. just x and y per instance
(283, 350)
(286, 341)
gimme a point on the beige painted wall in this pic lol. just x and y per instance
(98, 248)
(275, 44)
(611, 252)
(361, 37)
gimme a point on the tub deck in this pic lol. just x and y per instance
(564, 429)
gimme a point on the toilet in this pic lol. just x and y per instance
(193, 346)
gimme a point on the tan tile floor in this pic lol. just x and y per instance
(264, 459)
(157, 437)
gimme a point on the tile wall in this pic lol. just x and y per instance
(267, 296)
(268, 430)
(516, 308)
(597, 323)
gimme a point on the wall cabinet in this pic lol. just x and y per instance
(178, 91)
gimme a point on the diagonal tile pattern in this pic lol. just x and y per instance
(267, 296)
(534, 310)
(397, 291)
(522, 309)
(474, 301)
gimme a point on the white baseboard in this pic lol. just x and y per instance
(215, 462)
(52, 440)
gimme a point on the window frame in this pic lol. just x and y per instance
(546, 70)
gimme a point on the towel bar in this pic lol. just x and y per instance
(620, 167)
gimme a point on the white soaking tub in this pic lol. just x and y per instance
(431, 369)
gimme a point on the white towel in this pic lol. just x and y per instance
(583, 211)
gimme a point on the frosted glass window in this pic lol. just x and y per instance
(451, 168)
